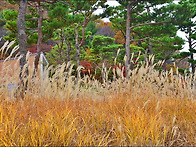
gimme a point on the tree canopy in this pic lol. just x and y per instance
(146, 26)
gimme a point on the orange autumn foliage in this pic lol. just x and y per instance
(88, 68)
(119, 38)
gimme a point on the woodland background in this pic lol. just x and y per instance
(68, 30)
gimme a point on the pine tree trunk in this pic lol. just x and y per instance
(103, 73)
(77, 46)
(39, 41)
(22, 36)
(60, 56)
(190, 47)
(150, 47)
(151, 52)
(127, 44)
(22, 40)
(68, 50)
(61, 48)
(149, 42)
(146, 56)
(78, 50)
(164, 64)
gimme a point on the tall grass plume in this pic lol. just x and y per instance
(58, 109)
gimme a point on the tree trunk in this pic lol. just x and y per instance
(22, 40)
(39, 41)
(103, 73)
(68, 50)
(22, 36)
(151, 52)
(164, 64)
(60, 56)
(127, 44)
(150, 47)
(149, 42)
(61, 47)
(78, 50)
(77, 46)
(192, 64)
(190, 47)
(146, 56)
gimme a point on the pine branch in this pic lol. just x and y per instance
(138, 13)
(136, 2)
(33, 19)
(67, 3)
(147, 38)
(194, 43)
(132, 40)
(136, 32)
(187, 37)
(151, 23)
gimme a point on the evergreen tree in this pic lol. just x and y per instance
(186, 16)
(143, 21)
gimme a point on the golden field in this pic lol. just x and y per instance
(116, 121)
(149, 108)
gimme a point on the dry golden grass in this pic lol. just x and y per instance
(120, 120)
(149, 108)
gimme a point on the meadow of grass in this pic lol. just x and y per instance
(149, 108)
